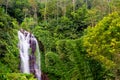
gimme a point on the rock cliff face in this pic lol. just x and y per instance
(44, 76)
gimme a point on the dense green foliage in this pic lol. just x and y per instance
(78, 39)
(71, 55)
(9, 52)
(102, 42)
(16, 76)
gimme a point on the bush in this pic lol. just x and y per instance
(16, 76)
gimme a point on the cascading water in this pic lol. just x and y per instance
(29, 54)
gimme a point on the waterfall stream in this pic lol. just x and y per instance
(29, 53)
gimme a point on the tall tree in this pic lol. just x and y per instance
(115, 5)
(73, 2)
(7, 1)
(33, 4)
(63, 7)
(102, 42)
(45, 10)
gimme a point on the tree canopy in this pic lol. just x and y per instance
(78, 39)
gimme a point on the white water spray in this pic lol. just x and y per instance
(30, 61)
(24, 47)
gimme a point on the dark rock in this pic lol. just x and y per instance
(44, 76)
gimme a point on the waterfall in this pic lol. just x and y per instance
(29, 53)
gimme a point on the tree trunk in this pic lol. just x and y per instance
(73, 2)
(45, 10)
(86, 4)
(57, 12)
(35, 15)
(64, 8)
(6, 5)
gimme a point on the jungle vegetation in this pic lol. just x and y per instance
(78, 39)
